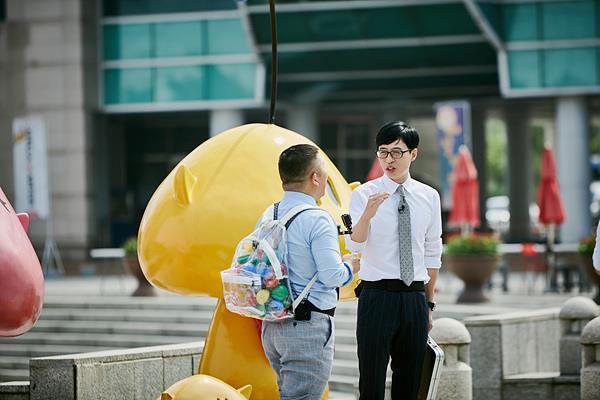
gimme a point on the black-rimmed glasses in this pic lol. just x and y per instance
(396, 153)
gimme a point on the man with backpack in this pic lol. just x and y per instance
(300, 349)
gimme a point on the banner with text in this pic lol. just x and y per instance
(30, 167)
(453, 128)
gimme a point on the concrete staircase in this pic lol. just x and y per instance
(77, 324)
(77, 318)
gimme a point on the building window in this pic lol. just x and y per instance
(178, 62)
(179, 83)
(350, 143)
(113, 8)
(175, 39)
(2, 10)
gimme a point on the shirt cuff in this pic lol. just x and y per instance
(349, 273)
(433, 262)
(353, 246)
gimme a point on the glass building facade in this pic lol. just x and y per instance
(177, 56)
(129, 87)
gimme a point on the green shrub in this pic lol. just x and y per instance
(472, 245)
(586, 245)
(130, 247)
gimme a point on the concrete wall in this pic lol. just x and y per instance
(516, 356)
(48, 63)
(141, 373)
(14, 391)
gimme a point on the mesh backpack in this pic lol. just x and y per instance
(257, 283)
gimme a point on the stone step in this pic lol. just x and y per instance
(43, 350)
(343, 383)
(345, 351)
(122, 327)
(345, 336)
(335, 395)
(10, 374)
(14, 362)
(345, 367)
(349, 367)
(141, 315)
(345, 321)
(346, 308)
(119, 302)
(96, 339)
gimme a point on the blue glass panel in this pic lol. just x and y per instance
(524, 69)
(227, 36)
(127, 41)
(520, 22)
(569, 20)
(180, 83)
(493, 14)
(127, 86)
(179, 39)
(571, 67)
(231, 81)
(137, 7)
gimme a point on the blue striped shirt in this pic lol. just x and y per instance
(313, 246)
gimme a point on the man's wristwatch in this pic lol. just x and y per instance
(431, 305)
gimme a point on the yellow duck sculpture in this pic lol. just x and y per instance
(193, 222)
(204, 387)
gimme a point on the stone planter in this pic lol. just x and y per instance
(132, 265)
(474, 271)
(585, 262)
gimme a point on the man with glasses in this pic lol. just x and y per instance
(399, 234)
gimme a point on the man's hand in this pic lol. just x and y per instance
(430, 322)
(375, 200)
(361, 229)
(353, 260)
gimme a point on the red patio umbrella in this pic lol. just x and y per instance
(375, 172)
(465, 192)
(552, 212)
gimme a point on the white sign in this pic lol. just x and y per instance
(30, 166)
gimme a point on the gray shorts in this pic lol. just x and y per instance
(301, 353)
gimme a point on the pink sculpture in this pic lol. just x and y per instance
(21, 278)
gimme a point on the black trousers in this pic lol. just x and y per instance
(391, 324)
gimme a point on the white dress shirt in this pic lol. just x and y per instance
(596, 255)
(380, 252)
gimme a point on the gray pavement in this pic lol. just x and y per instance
(102, 294)
(526, 291)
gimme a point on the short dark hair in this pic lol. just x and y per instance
(394, 130)
(295, 163)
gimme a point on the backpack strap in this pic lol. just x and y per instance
(287, 221)
(304, 293)
(287, 218)
(291, 215)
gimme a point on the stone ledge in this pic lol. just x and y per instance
(531, 377)
(15, 387)
(107, 356)
(545, 314)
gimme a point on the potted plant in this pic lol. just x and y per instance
(585, 250)
(132, 265)
(473, 258)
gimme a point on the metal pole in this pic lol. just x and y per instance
(273, 61)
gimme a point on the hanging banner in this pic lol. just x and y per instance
(30, 166)
(453, 128)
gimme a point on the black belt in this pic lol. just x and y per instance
(395, 285)
(329, 312)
